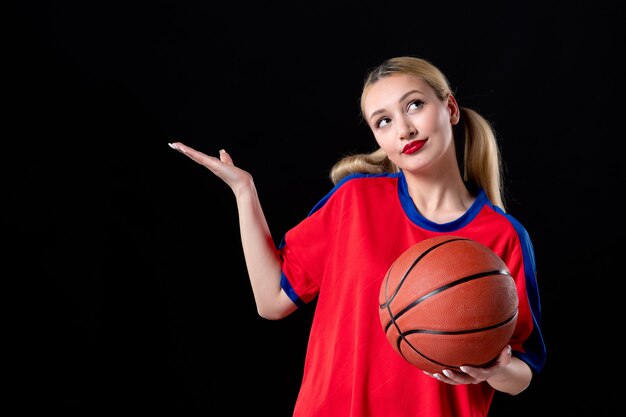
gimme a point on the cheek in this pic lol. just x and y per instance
(385, 141)
(438, 126)
(380, 138)
(446, 131)
(444, 123)
(389, 144)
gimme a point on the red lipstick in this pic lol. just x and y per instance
(413, 147)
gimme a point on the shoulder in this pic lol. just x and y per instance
(512, 221)
(359, 184)
(362, 179)
(511, 230)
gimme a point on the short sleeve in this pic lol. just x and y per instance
(304, 250)
(527, 341)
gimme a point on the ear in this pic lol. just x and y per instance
(453, 107)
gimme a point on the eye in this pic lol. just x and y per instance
(415, 104)
(382, 122)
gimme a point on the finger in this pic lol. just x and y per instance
(457, 377)
(508, 351)
(473, 372)
(225, 157)
(504, 358)
(445, 376)
(184, 149)
(201, 158)
(177, 146)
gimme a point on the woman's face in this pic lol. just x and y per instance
(409, 122)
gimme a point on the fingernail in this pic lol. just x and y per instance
(464, 369)
(447, 373)
(172, 146)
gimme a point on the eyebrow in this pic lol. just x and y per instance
(404, 96)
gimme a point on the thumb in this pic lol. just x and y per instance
(225, 157)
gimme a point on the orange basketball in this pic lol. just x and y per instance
(448, 301)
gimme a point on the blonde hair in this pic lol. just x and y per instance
(481, 163)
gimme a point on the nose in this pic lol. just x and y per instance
(406, 129)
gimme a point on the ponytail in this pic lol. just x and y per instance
(481, 162)
(475, 140)
(375, 162)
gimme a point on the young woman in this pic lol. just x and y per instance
(437, 171)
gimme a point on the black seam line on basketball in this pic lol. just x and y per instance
(456, 332)
(406, 274)
(402, 337)
(443, 288)
(387, 303)
(444, 365)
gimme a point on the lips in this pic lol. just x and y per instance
(413, 147)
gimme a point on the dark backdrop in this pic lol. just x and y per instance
(132, 292)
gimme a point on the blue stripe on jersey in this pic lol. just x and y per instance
(535, 355)
(346, 179)
(286, 286)
(534, 346)
(284, 281)
(324, 199)
(417, 218)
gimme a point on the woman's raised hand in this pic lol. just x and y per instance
(223, 167)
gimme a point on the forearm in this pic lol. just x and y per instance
(261, 256)
(513, 379)
(259, 250)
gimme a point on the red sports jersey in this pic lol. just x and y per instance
(340, 254)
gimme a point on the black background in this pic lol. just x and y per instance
(132, 291)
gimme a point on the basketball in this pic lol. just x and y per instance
(448, 301)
